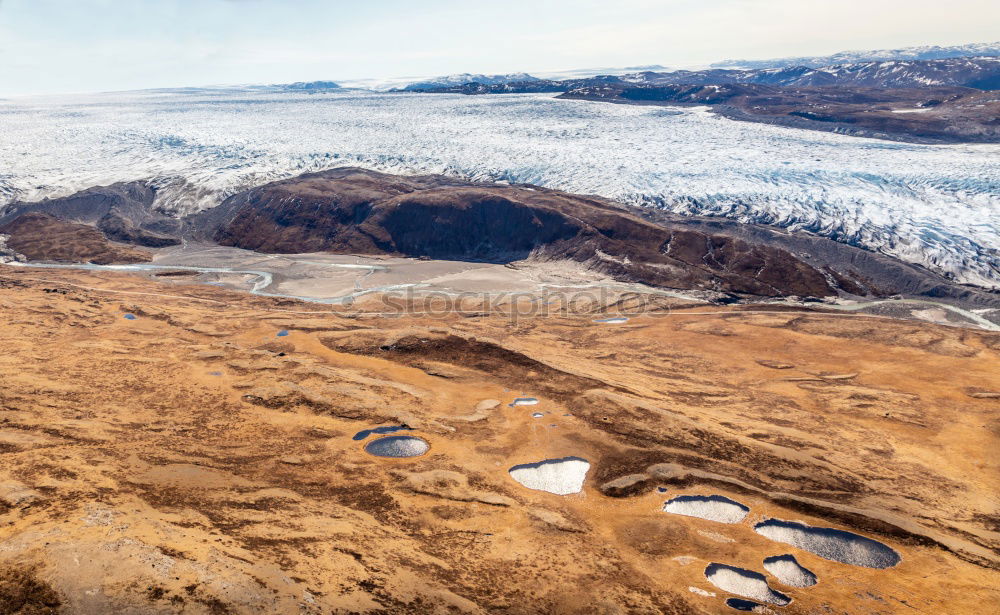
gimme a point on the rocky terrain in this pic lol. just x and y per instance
(924, 52)
(123, 212)
(982, 73)
(931, 115)
(362, 212)
(950, 100)
(42, 237)
(356, 211)
(173, 448)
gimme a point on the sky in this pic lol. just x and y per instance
(51, 46)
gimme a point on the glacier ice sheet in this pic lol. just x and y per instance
(938, 206)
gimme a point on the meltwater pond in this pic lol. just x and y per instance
(558, 476)
(837, 545)
(397, 446)
(746, 583)
(748, 606)
(364, 433)
(711, 507)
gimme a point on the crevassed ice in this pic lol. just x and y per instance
(934, 205)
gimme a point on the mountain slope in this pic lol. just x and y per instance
(979, 73)
(926, 52)
(356, 211)
(928, 115)
(41, 237)
(123, 212)
(464, 78)
(351, 210)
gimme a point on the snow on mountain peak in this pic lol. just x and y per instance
(926, 52)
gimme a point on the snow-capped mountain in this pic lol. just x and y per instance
(464, 78)
(982, 73)
(927, 52)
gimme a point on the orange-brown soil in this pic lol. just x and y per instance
(191, 461)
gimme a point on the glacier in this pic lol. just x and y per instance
(934, 205)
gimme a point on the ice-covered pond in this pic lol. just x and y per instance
(559, 476)
(789, 571)
(743, 582)
(837, 545)
(397, 446)
(523, 401)
(711, 507)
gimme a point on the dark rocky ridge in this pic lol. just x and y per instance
(926, 115)
(357, 211)
(979, 73)
(123, 212)
(41, 237)
(934, 101)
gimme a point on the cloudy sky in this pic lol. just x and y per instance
(49, 46)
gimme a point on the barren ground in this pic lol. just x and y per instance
(191, 461)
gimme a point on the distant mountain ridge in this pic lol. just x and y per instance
(978, 73)
(464, 78)
(926, 52)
